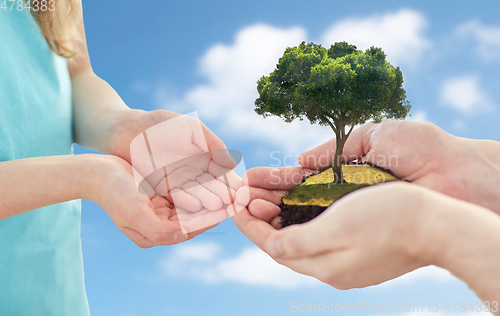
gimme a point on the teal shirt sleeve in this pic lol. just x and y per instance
(41, 264)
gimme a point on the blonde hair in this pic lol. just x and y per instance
(60, 27)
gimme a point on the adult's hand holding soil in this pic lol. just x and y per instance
(363, 239)
(381, 232)
(423, 154)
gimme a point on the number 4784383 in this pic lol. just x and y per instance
(35, 5)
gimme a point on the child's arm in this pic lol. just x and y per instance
(102, 121)
(28, 184)
(96, 105)
(32, 183)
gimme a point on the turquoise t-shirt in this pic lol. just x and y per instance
(41, 264)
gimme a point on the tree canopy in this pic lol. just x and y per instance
(340, 86)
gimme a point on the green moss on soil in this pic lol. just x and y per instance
(319, 194)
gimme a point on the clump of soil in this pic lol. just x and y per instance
(297, 214)
(317, 192)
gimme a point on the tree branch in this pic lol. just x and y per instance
(341, 121)
(353, 123)
(350, 130)
(334, 128)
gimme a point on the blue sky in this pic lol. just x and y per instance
(206, 56)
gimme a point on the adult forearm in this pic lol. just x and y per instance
(470, 237)
(28, 184)
(474, 166)
(96, 108)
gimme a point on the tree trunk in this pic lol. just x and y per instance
(337, 161)
(338, 128)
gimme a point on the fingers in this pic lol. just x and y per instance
(186, 201)
(228, 178)
(306, 240)
(208, 199)
(227, 158)
(140, 240)
(202, 220)
(292, 242)
(218, 151)
(255, 229)
(284, 178)
(277, 222)
(217, 187)
(246, 194)
(356, 146)
(264, 210)
(160, 231)
(212, 141)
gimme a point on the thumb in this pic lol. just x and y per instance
(299, 241)
(356, 146)
(228, 158)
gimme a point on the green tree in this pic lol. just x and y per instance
(339, 87)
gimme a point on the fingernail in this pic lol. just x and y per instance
(243, 196)
(276, 248)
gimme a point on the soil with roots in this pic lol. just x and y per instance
(318, 192)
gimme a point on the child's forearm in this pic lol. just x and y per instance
(28, 184)
(469, 249)
(96, 108)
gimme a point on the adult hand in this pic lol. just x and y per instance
(423, 154)
(368, 237)
(381, 232)
(417, 152)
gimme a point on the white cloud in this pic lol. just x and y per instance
(487, 38)
(465, 95)
(400, 34)
(205, 262)
(419, 116)
(233, 70)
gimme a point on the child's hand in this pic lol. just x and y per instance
(147, 220)
(182, 161)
